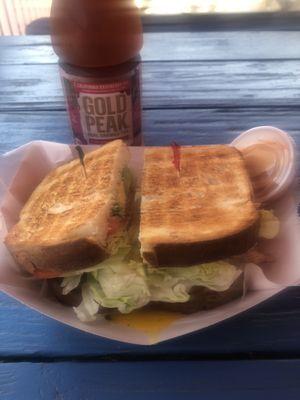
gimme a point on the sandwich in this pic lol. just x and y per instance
(200, 224)
(179, 243)
(77, 215)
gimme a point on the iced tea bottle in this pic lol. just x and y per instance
(98, 44)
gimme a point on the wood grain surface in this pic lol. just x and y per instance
(198, 84)
(160, 127)
(174, 46)
(270, 330)
(226, 380)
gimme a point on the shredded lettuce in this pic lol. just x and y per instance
(88, 308)
(173, 284)
(269, 224)
(69, 283)
(122, 286)
(129, 285)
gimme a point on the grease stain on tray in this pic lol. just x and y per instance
(147, 321)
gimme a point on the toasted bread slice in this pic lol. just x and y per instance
(202, 212)
(64, 224)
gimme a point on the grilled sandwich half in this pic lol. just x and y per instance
(74, 217)
(201, 211)
(197, 211)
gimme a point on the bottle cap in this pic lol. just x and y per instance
(269, 154)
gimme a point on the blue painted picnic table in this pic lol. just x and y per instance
(198, 87)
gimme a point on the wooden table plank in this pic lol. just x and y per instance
(186, 46)
(169, 85)
(270, 329)
(156, 380)
(161, 127)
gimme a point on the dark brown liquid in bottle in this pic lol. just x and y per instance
(98, 42)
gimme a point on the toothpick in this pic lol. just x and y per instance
(81, 158)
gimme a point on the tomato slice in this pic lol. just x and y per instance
(114, 225)
(45, 274)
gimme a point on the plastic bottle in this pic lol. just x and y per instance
(98, 44)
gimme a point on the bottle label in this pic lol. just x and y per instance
(104, 111)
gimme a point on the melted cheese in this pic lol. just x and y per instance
(147, 321)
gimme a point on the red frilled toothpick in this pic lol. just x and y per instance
(176, 155)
